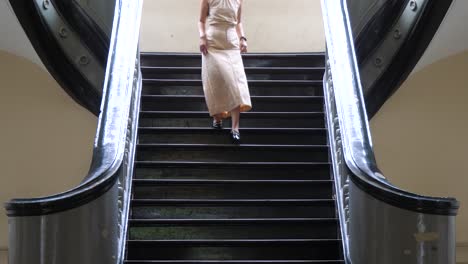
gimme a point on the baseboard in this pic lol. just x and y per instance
(462, 252)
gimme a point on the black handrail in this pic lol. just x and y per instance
(55, 59)
(88, 29)
(356, 139)
(112, 127)
(402, 63)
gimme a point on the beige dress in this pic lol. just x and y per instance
(224, 81)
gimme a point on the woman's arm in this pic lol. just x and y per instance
(201, 26)
(240, 29)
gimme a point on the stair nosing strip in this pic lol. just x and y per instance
(249, 81)
(250, 54)
(232, 220)
(231, 201)
(233, 261)
(245, 114)
(253, 96)
(247, 68)
(235, 241)
(280, 129)
(269, 146)
(220, 163)
(196, 181)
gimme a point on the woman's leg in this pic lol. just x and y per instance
(217, 122)
(217, 118)
(235, 115)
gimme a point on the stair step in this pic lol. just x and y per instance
(248, 119)
(252, 83)
(232, 170)
(197, 198)
(260, 103)
(157, 182)
(162, 87)
(232, 208)
(188, 189)
(221, 249)
(187, 229)
(256, 87)
(235, 261)
(250, 60)
(239, 221)
(231, 152)
(228, 202)
(205, 135)
(253, 73)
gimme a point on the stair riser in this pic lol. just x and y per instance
(228, 231)
(221, 138)
(318, 173)
(235, 191)
(199, 104)
(246, 121)
(320, 251)
(323, 210)
(195, 61)
(155, 89)
(311, 75)
(233, 154)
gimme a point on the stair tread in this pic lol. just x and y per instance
(241, 242)
(197, 181)
(233, 220)
(205, 114)
(273, 68)
(292, 130)
(236, 261)
(250, 54)
(232, 201)
(226, 163)
(253, 97)
(266, 129)
(229, 146)
(199, 81)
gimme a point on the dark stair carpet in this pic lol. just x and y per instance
(196, 198)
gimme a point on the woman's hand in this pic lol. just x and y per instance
(243, 46)
(203, 45)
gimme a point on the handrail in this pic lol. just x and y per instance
(355, 165)
(90, 31)
(112, 125)
(61, 37)
(88, 224)
(390, 41)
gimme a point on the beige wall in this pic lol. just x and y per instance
(270, 25)
(3, 256)
(45, 137)
(421, 136)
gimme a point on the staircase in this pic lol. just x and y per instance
(199, 199)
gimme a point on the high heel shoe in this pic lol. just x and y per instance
(218, 125)
(235, 137)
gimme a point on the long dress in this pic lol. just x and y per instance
(224, 80)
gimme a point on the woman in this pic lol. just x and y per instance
(222, 41)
